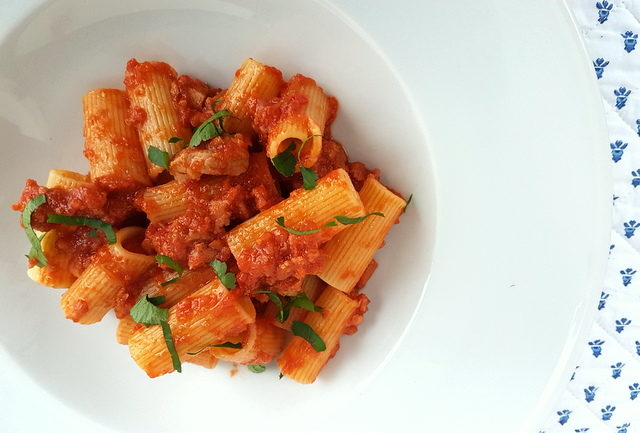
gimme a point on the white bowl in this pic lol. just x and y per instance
(510, 279)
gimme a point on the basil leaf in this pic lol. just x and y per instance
(256, 368)
(168, 261)
(168, 339)
(348, 221)
(280, 222)
(147, 312)
(228, 279)
(36, 249)
(302, 330)
(227, 344)
(273, 297)
(309, 178)
(84, 221)
(158, 157)
(285, 161)
(208, 130)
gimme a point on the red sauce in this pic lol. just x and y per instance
(137, 74)
(356, 319)
(278, 261)
(136, 116)
(189, 98)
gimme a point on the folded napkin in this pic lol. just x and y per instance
(603, 394)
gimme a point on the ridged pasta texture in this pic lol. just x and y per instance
(300, 361)
(351, 251)
(333, 195)
(111, 145)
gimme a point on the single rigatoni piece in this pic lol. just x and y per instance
(300, 361)
(252, 80)
(148, 86)
(163, 202)
(334, 195)
(312, 287)
(56, 274)
(67, 179)
(95, 291)
(295, 126)
(209, 315)
(189, 282)
(260, 343)
(112, 145)
(125, 328)
(226, 155)
(351, 251)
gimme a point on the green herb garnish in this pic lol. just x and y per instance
(95, 223)
(340, 219)
(309, 178)
(285, 161)
(256, 368)
(227, 344)
(208, 129)
(158, 157)
(301, 329)
(273, 297)
(408, 202)
(92, 233)
(147, 312)
(168, 261)
(301, 301)
(36, 249)
(280, 222)
(228, 279)
(345, 221)
(175, 140)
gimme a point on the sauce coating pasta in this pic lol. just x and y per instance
(208, 220)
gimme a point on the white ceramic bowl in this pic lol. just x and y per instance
(510, 128)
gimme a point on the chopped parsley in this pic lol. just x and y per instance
(168, 261)
(94, 223)
(208, 129)
(36, 249)
(340, 219)
(228, 279)
(158, 157)
(227, 344)
(147, 312)
(256, 368)
(408, 202)
(273, 297)
(285, 162)
(302, 330)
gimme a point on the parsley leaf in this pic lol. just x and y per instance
(301, 329)
(84, 221)
(301, 301)
(158, 157)
(227, 344)
(175, 140)
(168, 261)
(228, 279)
(285, 161)
(273, 297)
(408, 202)
(36, 249)
(256, 368)
(309, 178)
(168, 339)
(147, 312)
(208, 129)
(280, 222)
(348, 221)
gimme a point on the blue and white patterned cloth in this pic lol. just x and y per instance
(603, 394)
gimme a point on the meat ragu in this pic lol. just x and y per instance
(218, 223)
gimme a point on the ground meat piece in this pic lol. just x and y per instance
(189, 97)
(280, 260)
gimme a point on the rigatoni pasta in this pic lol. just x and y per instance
(218, 225)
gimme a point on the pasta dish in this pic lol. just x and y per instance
(219, 224)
